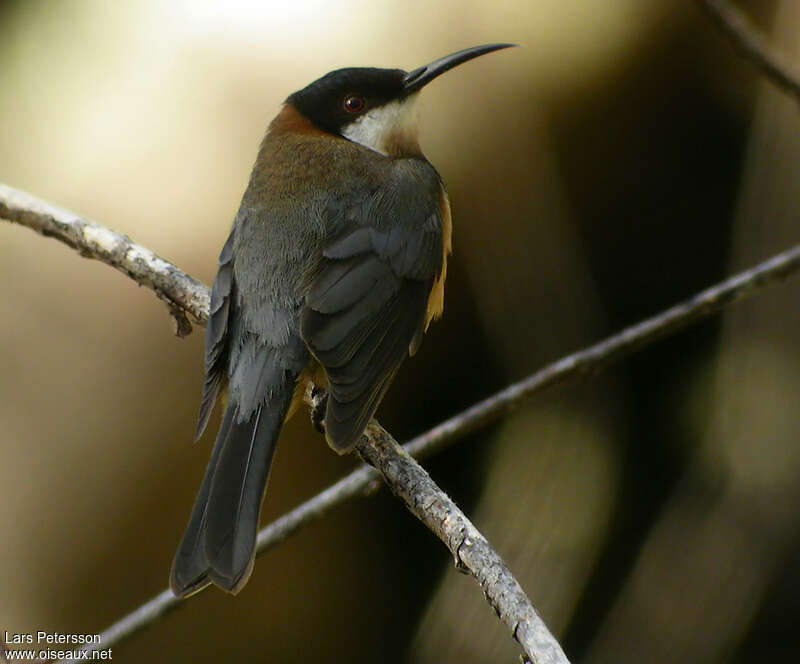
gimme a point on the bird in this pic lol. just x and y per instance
(333, 270)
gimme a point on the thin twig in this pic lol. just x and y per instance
(365, 480)
(185, 296)
(470, 549)
(752, 44)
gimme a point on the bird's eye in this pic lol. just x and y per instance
(354, 104)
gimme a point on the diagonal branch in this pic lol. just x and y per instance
(752, 44)
(365, 480)
(185, 296)
(471, 551)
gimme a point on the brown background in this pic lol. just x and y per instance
(622, 159)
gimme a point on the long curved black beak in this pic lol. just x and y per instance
(414, 80)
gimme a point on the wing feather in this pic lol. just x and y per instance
(367, 307)
(222, 297)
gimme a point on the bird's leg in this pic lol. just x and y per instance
(317, 399)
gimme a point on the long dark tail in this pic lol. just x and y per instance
(219, 543)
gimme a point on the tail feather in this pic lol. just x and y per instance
(219, 543)
(190, 567)
(236, 494)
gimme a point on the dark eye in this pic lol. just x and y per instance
(354, 104)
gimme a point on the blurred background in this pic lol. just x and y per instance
(622, 159)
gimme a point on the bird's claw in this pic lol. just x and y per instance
(319, 402)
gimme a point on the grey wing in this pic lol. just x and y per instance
(367, 309)
(217, 329)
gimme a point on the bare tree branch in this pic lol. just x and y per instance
(185, 296)
(471, 551)
(193, 297)
(752, 44)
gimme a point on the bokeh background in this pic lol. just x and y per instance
(623, 158)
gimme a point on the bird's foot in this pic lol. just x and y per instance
(319, 401)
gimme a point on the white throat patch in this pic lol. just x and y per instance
(386, 128)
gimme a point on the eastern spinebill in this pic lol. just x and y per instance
(332, 272)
